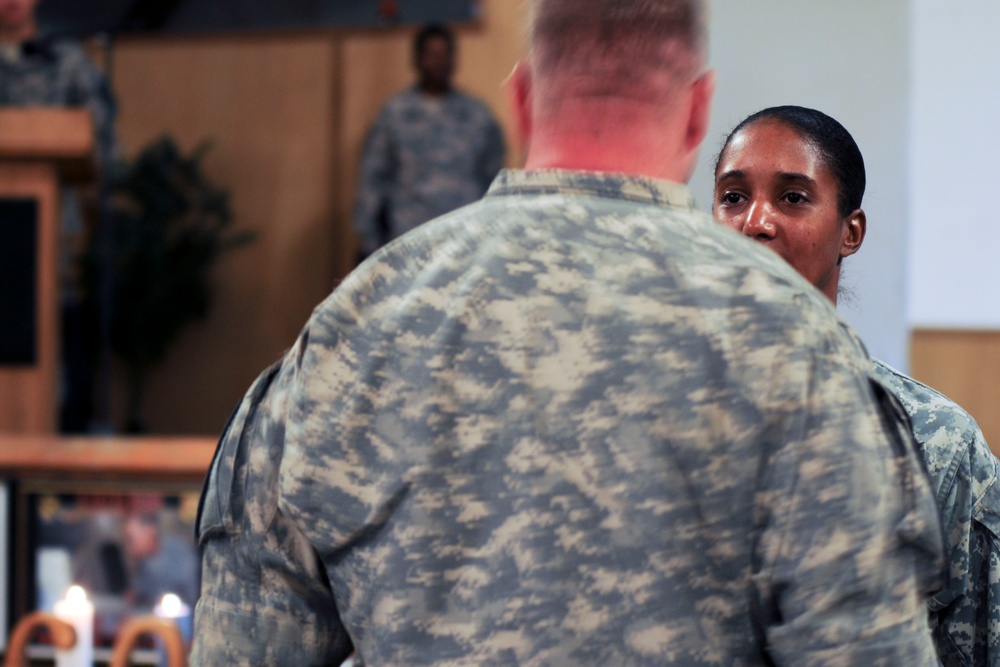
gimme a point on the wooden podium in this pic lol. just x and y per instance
(40, 148)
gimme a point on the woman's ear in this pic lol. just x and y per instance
(854, 233)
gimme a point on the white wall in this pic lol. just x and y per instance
(955, 138)
(849, 59)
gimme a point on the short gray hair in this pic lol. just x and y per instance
(578, 33)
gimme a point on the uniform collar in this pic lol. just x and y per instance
(593, 183)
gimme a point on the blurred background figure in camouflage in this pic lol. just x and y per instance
(814, 220)
(574, 423)
(431, 150)
(44, 70)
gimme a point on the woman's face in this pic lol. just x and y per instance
(773, 186)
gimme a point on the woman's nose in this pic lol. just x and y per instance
(760, 222)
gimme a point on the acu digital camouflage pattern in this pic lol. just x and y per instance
(424, 157)
(578, 423)
(965, 614)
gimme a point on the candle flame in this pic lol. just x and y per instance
(76, 594)
(171, 605)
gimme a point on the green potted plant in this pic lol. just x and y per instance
(168, 224)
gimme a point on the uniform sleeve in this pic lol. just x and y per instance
(264, 597)
(375, 179)
(850, 541)
(966, 613)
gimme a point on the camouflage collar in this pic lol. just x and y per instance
(594, 183)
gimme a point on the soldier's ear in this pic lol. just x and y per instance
(853, 234)
(519, 90)
(702, 91)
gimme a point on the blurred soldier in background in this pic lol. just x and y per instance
(793, 179)
(431, 150)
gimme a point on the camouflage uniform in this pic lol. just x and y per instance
(424, 157)
(577, 423)
(965, 614)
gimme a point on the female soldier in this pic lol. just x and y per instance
(793, 179)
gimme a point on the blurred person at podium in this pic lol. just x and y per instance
(40, 70)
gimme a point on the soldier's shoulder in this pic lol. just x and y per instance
(765, 273)
(948, 435)
(924, 403)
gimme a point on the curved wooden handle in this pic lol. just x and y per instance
(63, 636)
(166, 630)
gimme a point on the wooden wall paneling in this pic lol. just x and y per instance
(267, 104)
(965, 366)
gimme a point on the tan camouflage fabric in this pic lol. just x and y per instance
(577, 423)
(424, 157)
(965, 614)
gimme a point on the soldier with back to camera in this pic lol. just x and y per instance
(575, 423)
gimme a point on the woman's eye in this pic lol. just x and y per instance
(731, 198)
(794, 198)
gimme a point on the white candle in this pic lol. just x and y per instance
(78, 611)
(173, 608)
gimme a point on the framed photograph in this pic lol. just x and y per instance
(127, 545)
